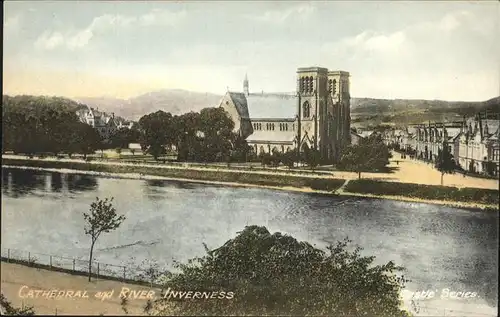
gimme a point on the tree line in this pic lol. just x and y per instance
(33, 125)
(205, 136)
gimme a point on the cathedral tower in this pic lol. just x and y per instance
(245, 86)
(323, 114)
(312, 111)
(338, 88)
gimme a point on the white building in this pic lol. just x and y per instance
(105, 124)
(478, 145)
(474, 142)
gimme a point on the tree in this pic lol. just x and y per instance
(313, 158)
(216, 128)
(122, 137)
(289, 158)
(265, 159)
(84, 139)
(38, 124)
(445, 162)
(102, 218)
(10, 310)
(371, 154)
(157, 131)
(274, 274)
(491, 168)
(240, 149)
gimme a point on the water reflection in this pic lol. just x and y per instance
(81, 182)
(22, 182)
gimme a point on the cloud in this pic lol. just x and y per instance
(76, 39)
(376, 42)
(11, 25)
(49, 41)
(453, 57)
(302, 11)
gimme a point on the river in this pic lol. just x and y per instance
(441, 247)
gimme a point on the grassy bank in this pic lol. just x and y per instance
(430, 192)
(457, 197)
(202, 175)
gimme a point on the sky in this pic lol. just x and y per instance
(410, 50)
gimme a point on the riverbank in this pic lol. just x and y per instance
(477, 198)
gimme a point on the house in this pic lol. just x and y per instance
(104, 124)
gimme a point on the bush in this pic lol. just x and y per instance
(433, 192)
(276, 274)
(325, 184)
(9, 310)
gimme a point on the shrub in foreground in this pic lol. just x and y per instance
(276, 274)
(10, 310)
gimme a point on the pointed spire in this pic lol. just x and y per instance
(246, 91)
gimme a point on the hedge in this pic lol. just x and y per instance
(432, 192)
(205, 175)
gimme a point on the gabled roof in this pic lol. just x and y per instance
(272, 105)
(240, 103)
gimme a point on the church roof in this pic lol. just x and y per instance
(272, 105)
(240, 102)
(276, 136)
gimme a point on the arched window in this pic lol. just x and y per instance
(306, 110)
(272, 126)
(302, 84)
(330, 87)
(310, 84)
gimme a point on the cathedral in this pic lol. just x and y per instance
(316, 116)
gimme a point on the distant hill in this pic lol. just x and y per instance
(50, 101)
(369, 111)
(175, 101)
(362, 105)
(29, 100)
(364, 111)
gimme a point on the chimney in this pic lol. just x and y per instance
(112, 115)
